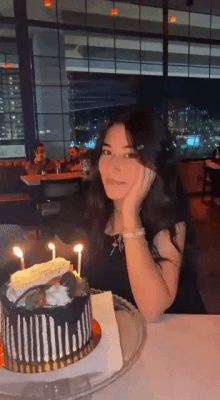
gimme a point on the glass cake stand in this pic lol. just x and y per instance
(133, 334)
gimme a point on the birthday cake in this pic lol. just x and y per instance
(46, 318)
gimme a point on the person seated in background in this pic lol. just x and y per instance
(214, 175)
(41, 164)
(216, 155)
(73, 164)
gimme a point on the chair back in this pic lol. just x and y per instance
(55, 190)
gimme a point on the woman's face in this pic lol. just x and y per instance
(118, 164)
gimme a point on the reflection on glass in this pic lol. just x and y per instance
(199, 25)
(101, 46)
(72, 11)
(215, 62)
(215, 27)
(152, 51)
(151, 69)
(178, 58)
(180, 27)
(127, 48)
(151, 19)
(48, 99)
(199, 54)
(37, 10)
(128, 16)
(46, 70)
(7, 8)
(44, 41)
(74, 44)
(99, 13)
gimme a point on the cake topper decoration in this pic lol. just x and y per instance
(35, 299)
(69, 280)
(39, 274)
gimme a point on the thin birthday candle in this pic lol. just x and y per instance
(78, 248)
(53, 248)
(19, 253)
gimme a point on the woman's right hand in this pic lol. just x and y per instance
(132, 202)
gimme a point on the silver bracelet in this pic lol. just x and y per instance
(134, 234)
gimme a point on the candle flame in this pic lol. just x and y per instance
(51, 246)
(78, 248)
(18, 252)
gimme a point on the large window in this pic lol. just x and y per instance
(7, 8)
(11, 113)
(85, 62)
(194, 116)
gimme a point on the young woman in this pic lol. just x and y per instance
(138, 240)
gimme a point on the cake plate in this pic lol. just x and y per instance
(133, 334)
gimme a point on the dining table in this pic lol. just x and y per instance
(179, 359)
(211, 164)
(35, 180)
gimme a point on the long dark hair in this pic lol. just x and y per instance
(166, 203)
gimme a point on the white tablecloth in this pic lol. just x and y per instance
(180, 361)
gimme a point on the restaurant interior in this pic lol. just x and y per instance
(65, 66)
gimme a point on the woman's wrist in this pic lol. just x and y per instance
(131, 222)
(133, 234)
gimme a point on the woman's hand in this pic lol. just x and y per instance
(132, 202)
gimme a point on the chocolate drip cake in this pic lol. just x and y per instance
(46, 325)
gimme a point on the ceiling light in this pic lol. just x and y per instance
(173, 19)
(114, 11)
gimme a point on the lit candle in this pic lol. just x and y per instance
(78, 248)
(19, 253)
(52, 247)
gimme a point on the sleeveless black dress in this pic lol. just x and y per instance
(110, 273)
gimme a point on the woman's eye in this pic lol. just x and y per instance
(105, 152)
(131, 155)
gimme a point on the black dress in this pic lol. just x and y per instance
(108, 270)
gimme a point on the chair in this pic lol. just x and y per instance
(206, 182)
(53, 192)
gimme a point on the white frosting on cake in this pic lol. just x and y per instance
(56, 295)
